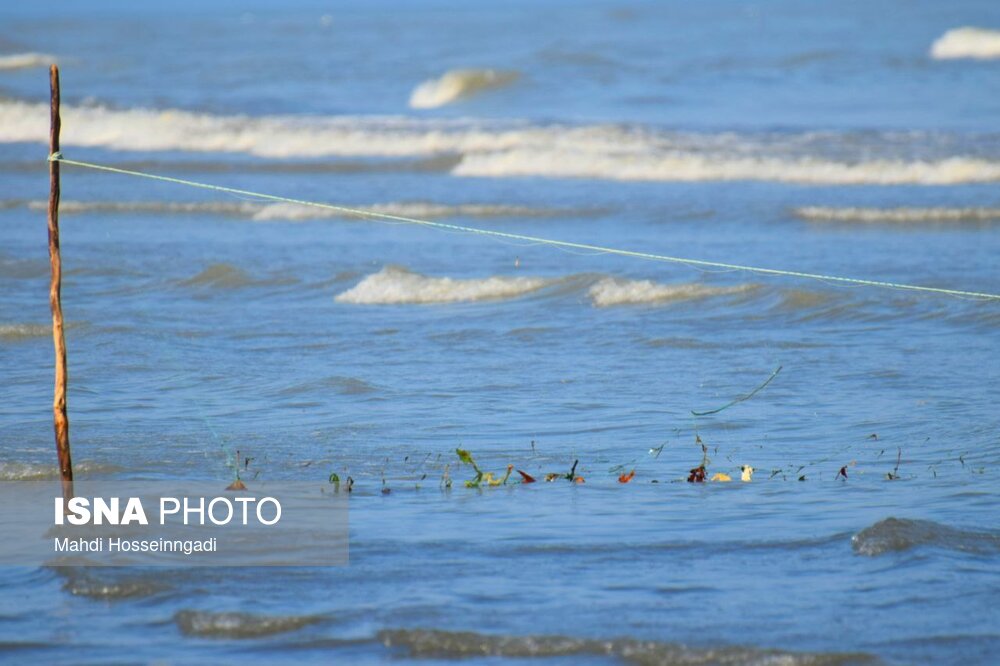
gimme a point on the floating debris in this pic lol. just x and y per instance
(894, 474)
(697, 475)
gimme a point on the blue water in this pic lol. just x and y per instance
(792, 135)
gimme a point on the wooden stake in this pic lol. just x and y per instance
(60, 420)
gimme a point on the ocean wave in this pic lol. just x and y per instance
(22, 269)
(394, 285)
(458, 84)
(291, 212)
(416, 209)
(227, 276)
(82, 583)
(18, 332)
(609, 292)
(334, 384)
(431, 643)
(238, 625)
(572, 162)
(221, 276)
(900, 534)
(967, 42)
(501, 149)
(25, 60)
(18, 471)
(233, 208)
(434, 163)
(275, 137)
(900, 215)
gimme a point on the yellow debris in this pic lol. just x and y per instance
(719, 476)
(747, 474)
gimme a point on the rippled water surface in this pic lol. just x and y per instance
(833, 140)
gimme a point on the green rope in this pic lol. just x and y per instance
(742, 398)
(57, 157)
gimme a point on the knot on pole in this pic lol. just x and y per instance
(55, 157)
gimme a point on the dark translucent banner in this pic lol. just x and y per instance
(172, 524)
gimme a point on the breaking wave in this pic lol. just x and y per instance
(900, 215)
(900, 534)
(967, 42)
(418, 209)
(501, 149)
(238, 625)
(430, 643)
(397, 285)
(458, 84)
(394, 285)
(613, 291)
(25, 60)
(573, 162)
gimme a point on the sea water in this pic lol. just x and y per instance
(855, 139)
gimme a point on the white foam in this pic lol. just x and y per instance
(414, 209)
(967, 42)
(25, 60)
(899, 215)
(458, 84)
(395, 285)
(609, 292)
(501, 150)
(695, 167)
(264, 136)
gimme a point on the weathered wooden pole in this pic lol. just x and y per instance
(60, 419)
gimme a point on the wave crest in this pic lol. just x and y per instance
(899, 534)
(19, 332)
(609, 292)
(292, 212)
(501, 149)
(677, 166)
(430, 643)
(898, 215)
(967, 42)
(394, 285)
(458, 84)
(19, 471)
(238, 625)
(109, 586)
(25, 60)
(221, 276)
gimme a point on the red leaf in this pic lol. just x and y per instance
(625, 478)
(525, 477)
(697, 475)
